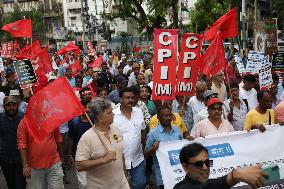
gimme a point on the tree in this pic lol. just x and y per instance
(206, 12)
(158, 9)
(126, 9)
(277, 5)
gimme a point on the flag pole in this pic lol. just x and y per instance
(104, 142)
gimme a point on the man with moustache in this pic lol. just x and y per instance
(214, 124)
(195, 161)
(10, 160)
(130, 122)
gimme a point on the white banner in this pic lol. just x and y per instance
(228, 151)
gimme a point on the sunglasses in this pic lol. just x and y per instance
(199, 164)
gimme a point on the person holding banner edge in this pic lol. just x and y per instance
(195, 162)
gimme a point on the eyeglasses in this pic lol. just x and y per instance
(199, 164)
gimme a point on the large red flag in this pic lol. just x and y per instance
(20, 28)
(75, 67)
(41, 62)
(29, 50)
(227, 25)
(51, 107)
(213, 59)
(70, 47)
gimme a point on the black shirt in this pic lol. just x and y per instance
(219, 183)
(8, 138)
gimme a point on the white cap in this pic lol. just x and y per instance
(15, 92)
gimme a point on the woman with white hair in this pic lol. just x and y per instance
(100, 151)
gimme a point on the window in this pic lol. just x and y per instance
(73, 21)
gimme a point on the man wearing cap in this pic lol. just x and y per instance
(214, 124)
(203, 114)
(10, 84)
(10, 160)
(128, 67)
(132, 79)
(121, 82)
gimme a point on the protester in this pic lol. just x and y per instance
(218, 86)
(69, 77)
(105, 78)
(176, 120)
(100, 150)
(235, 109)
(132, 79)
(77, 127)
(141, 79)
(262, 115)
(10, 161)
(144, 97)
(164, 132)
(180, 106)
(203, 114)
(248, 92)
(196, 103)
(130, 123)
(214, 124)
(10, 83)
(41, 161)
(121, 83)
(195, 162)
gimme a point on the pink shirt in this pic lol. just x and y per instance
(279, 112)
(205, 127)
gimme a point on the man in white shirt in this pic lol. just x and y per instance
(248, 92)
(130, 122)
(197, 102)
(132, 79)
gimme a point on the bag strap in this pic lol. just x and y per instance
(269, 120)
(246, 102)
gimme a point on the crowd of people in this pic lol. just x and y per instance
(119, 151)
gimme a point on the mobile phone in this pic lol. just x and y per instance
(273, 173)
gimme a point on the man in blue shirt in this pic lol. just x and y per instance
(164, 132)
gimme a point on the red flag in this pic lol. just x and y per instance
(75, 67)
(70, 47)
(20, 28)
(213, 59)
(41, 62)
(189, 64)
(29, 50)
(97, 62)
(51, 107)
(227, 25)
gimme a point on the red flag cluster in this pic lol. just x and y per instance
(213, 59)
(20, 28)
(51, 107)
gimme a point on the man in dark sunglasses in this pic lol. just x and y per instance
(195, 162)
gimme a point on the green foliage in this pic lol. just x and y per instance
(278, 5)
(206, 12)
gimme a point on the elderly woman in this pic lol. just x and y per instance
(100, 150)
